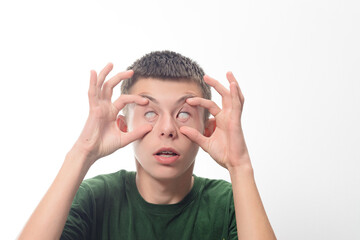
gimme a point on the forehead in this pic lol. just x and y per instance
(165, 89)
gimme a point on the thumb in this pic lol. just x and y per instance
(195, 136)
(136, 134)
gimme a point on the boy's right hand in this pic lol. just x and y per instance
(102, 135)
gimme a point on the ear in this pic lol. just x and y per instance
(121, 122)
(210, 126)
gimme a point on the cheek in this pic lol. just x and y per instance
(191, 151)
(194, 123)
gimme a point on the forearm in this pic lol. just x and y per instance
(48, 219)
(251, 218)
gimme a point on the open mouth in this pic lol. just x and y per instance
(166, 154)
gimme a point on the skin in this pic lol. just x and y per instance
(106, 132)
(167, 112)
(227, 147)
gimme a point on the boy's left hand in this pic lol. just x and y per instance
(226, 145)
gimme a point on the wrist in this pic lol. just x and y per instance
(242, 176)
(241, 169)
(78, 155)
(239, 164)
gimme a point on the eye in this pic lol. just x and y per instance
(150, 115)
(183, 115)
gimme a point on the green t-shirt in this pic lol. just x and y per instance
(110, 207)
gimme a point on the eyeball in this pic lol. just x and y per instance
(150, 115)
(183, 116)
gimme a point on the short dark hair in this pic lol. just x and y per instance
(167, 65)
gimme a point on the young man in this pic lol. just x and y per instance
(166, 103)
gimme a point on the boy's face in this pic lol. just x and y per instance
(165, 153)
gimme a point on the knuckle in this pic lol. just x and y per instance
(103, 72)
(106, 84)
(100, 75)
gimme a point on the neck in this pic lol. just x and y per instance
(163, 190)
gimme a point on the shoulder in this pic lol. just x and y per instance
(106, 183)
(217, 185)
(215, 189)
(216, 203)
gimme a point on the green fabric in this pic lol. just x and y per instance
(110, 207)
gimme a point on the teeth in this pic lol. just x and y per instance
(166, 153)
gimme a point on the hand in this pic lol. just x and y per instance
(226, 144)
(104, 131)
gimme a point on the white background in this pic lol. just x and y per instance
(297, 63)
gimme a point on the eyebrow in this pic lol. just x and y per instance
(180, 100)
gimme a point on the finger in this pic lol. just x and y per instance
(242, 99)
(124, 99)
(195, 136)
(231, 78)
(92, 88)
(110, 84)
(235, 102)
(136, 134)
(102, 75)
(217, 85)
(202, 102)
(225, 94)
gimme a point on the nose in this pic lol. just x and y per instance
(167, 127)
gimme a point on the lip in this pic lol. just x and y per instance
(166, 160)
